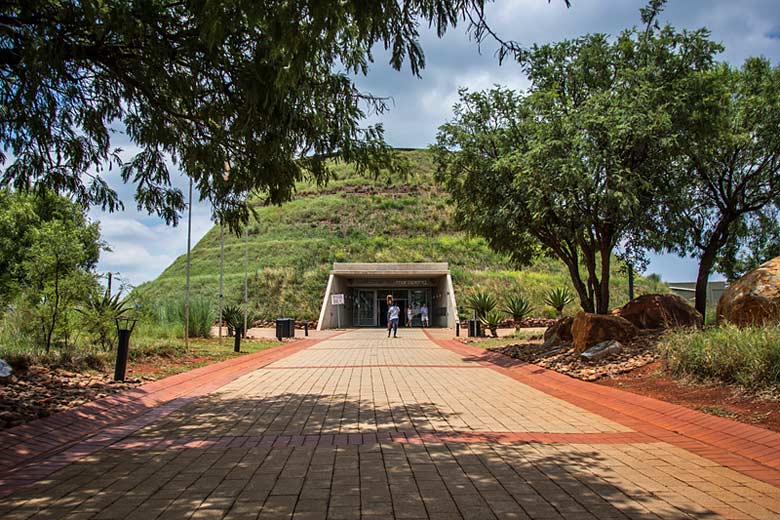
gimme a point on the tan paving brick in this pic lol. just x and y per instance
(362, 383)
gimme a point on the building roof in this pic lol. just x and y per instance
(391, 269)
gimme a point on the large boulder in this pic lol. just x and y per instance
(753, 299)
(660, 311)
(558, 332)
(589, 329)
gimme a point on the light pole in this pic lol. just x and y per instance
(246, 270)
(187, 289)
(225, 177)
(221, 269)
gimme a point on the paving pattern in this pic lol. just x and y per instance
(361, 426)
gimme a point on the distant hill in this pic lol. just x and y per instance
(357, 219)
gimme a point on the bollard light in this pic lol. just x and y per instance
(124, 327)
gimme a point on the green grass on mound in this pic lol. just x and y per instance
(356, 219)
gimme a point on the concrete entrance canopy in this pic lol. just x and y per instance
(364, 287)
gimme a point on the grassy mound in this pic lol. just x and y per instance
(357, 219)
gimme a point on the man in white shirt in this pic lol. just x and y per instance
(424, 314)
(393, 313)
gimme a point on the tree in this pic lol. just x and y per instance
(56, 282)
(22, 221)
(729, 186)
(577, 163)
(265, 87)
(48, 250)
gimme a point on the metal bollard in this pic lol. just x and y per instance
(121, 355)
(457, 329)
(305, 328)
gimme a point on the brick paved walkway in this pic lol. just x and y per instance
(361, 426)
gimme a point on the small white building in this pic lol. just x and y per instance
(356, 294)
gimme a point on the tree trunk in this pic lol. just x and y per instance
(604, 284)
(56, 308)
(586, 302)
(706, 262)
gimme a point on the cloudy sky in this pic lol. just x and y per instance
(143, 246)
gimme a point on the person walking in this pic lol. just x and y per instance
(409, 316)
(393, 313)
(424, 314)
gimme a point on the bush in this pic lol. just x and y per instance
(749, 356)
(518, 308)
(481, 302)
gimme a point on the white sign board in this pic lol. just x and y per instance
(337, 299)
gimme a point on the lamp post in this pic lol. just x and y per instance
(246, 274)
(225, 177)
(187, 287)
(124, 327)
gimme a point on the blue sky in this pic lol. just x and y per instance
(143, 246)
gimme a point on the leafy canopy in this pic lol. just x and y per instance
(725, 201)
(264, 87)
(574, 166)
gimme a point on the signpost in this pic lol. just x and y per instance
(337, 300)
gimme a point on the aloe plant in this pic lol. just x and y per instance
(492, 320)
(517, 307)
(233, 315)
(481, 303)
(98, 317)
(559, 298)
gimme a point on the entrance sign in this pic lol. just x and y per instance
(338, 300)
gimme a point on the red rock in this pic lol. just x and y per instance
(753, 299)
(660, 311)
(589, 329)
(558, 331)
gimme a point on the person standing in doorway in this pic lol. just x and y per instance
(393, 313)
(424, 314)
(409, 316)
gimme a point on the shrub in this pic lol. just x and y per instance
(233, 315)
(559, 298)
(201, 317)
(481, 303)
(749, 356)
(492, 320)
(98, 315)
(517, 307)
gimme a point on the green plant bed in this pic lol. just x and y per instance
(749, 357)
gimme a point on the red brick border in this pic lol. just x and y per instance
(748, 449)
(35, 450)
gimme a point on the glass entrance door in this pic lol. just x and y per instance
(364, 309)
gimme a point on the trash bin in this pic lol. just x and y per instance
(475, 328)
(285, 328)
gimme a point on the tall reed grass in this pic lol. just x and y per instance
(749, 356)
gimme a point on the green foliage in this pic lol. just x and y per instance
(234, 318)
(747, 356)
(266, 86)
(575, 165)
(492, 320)
(517, 307)
(98, 316)
(48, 248)
(727, 183)
(558, 299)
(481, 302)
(201, 317)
